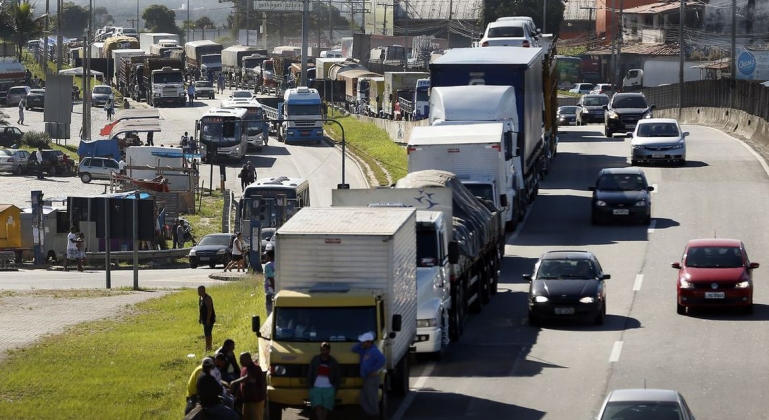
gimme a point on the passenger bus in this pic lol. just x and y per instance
(273, 201)
(569, 71)
(257, 127)
(221, 134)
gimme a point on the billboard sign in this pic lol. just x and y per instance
(280, 6)
(752, 64)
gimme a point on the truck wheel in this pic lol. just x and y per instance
(456, 328)
(274, 411)
(495, 274)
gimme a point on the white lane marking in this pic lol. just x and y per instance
(656, 188)
(758, 157)
(652, 225)
(419, 384)
(615, 352)
(639, 278)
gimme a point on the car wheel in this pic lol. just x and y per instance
(211, 265)
(680, 309)
(19, 170)
(193, 265)
(601, 317)
(748, 309)
(86, 178)
(682, 162)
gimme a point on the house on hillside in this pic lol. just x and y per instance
(578, 23)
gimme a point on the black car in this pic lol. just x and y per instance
(567, 284)
(566, 115)
(55, 162)
(213, 249)
(36, 99)
(621, 194)
(591, 108)
(624, 111)
(10, 136)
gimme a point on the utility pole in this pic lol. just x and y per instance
(137, 16)
(448, 24)
(733, 64)
(330, 26)
(305, 40)
(406, 35)
(613, 40)
(132, 21)
(45, 38)
(618, 60)
(248, 22)
(59, 37)
(188, 30)
(682, 16)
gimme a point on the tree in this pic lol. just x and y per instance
(159, 18)
(74, 20)
(499, 8)
(101, 17)
(205, 23)
(23, 24)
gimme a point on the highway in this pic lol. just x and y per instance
(505, 369)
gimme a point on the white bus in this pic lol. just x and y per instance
(257, 127)
(221, 134)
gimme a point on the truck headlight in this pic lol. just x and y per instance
(192, 253)
(427, 323)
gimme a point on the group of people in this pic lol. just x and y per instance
(247, 175)
(75, 249)
(188, 144)
(181, 233)
(226, 390)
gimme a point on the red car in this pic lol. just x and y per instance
(715, 272)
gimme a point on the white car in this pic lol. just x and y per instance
(581, 88)
(658, 140)
(267, 234)
(13, 160)
(242, 94)
(509, 33)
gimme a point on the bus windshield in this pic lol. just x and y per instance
(218, 129)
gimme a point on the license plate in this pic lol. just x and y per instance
(714, 295)
(304, 133)
(204, 258)
(564, 311)
(658, 156)
(620, 212)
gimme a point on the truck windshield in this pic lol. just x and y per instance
(313, 109)
(168, 77)
(484, 191)
(422, 96)
(250, 63)
(323, 324)
(427, 248)
(211, 59)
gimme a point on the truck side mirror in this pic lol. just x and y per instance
(397, 323)
(653, 107)
(256, 324)
(503, 200)
(453, 252)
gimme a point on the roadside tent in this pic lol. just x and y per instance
(79, 71)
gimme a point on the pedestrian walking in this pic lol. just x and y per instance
(243, 175)
(237, 254)
(121, 165)
(191, 92)
(207, 316)
(73, 254)
(81, 248)
(371, 362)
(22, 105)
(220, 84)
(181, 234)
(323, 378)
(39, 156)
(151, 138)
(269, 280)
(251, 172)
(108, 107)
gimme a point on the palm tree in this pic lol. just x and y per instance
(23, 24)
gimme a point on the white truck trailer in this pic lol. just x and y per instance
(343, 272)
(147, 39)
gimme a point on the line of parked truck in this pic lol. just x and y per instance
(407, 263)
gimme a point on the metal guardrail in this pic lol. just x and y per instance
(143, 255)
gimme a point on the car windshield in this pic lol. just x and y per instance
(323, 324)
(630, 102)
(4, 152)
(595, 101)
(621, 182)
(506, 32)
(714, 257)
(267, 234)
(658, 130)
(630, 410)
(566, 269)
(215, 240)
(568, 110)
(102, 89)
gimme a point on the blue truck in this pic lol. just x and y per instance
(521, 68)
(297, 117)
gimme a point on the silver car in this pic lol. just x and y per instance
(12, 160)
(658, 140)
(645, 404)
(91, 168)
(16, 94)
(100, 95)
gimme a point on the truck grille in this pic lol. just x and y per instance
(170, 91)
(304, 123)
(300, 371)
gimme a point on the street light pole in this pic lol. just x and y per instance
(682, 16)
(544, 16)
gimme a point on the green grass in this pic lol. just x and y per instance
(373, 146)
(132, 368)
(209, 218)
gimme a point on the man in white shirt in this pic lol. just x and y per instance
(72, 252)
(121, 166)
(39, 163)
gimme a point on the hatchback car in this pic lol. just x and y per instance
(13, 160)
(100, 95)
(213, 249)
(509, 33)
(658, 140)
(591, 108)
(36, 99)
(10, 136)
(581, 88)
(567, 284)
(566, 115)
(16, 94)
(602, 89)
(645, 404)
(715, 272)
(91, 168)
(621, 194)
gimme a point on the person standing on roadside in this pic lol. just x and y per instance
(220, 84)
(151, 138)
(207, 315)
(72, 251)
(251, 172)
(243, 175)
(39, 162)
(181, 233)
(269, 280)
(191, 92)
(371, 362)
(22, 104)
(253, 388)
(323, 378)
(108, 108)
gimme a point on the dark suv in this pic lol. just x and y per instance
(10, 136)
(624, 111)
(55, 162)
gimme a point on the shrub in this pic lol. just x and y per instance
(36, 139)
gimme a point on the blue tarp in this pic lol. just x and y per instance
(99, 148)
